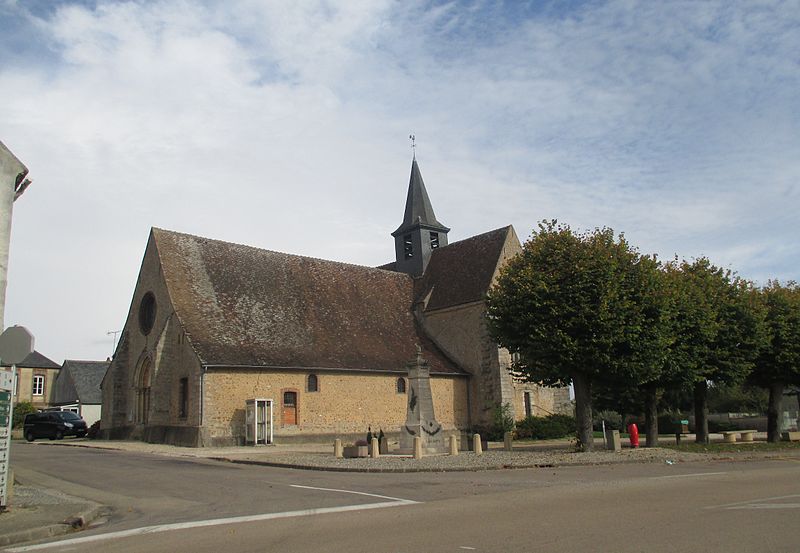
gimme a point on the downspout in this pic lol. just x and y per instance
(203, 371)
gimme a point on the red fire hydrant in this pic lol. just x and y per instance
(633, 432)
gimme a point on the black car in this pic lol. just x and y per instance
(54, 425)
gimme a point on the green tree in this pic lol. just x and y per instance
(778, 363)
(579, 308)
(718, 326)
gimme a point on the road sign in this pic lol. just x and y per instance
(6, 409)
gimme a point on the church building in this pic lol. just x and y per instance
(221, 336)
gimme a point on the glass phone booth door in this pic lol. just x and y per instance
(258, 421)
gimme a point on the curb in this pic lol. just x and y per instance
(431, 469)
(73, 524)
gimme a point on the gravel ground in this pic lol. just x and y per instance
(29, 496)
(467, 461)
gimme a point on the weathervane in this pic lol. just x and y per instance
(413, 138)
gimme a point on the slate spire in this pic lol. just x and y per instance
(420, 232)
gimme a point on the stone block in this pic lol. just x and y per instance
(613, 442)
(352, 451)
(790, 436)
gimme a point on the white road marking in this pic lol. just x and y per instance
(752, 501)
(394, 502)
(467, 548)
(408, 501)
(756, 506)
(694, 474)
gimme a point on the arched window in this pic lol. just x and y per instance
(143, 393)
(401, 385)
(313, 383)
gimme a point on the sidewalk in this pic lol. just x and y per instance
(35, 514)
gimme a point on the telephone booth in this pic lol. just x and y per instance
(258, 421)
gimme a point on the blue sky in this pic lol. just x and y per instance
(285, 125)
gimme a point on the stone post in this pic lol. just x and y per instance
(337, 448)
(476, 444)
(453, 445)
(417, 447)
(374, 451)
(507, 441)
(613, 442)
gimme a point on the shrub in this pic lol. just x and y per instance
(93, 431)
(546, 428)
(612, 419)
(669, 423)
(721, 426)
(502, 422)
(20, 410)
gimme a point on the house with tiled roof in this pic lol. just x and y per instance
(35, 374)
(77, 388)
(325, 345)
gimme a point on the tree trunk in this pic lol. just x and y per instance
(774, 412)
(651, 416)
(701, 412)
(583, 410)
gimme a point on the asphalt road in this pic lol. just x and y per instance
(169, 504)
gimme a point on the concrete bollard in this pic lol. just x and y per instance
(476, 444)
(417, 447)
(374, 451)
(337, 448)
(453, 445)
(508, 441)
(613, 442)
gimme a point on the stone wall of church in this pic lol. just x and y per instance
(461, 331)
(167, 351)
(544, 400)
(345, 405)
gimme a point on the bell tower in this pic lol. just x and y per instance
(420, 233)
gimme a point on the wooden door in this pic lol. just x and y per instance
(289, 408)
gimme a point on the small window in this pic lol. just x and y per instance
(38, 385)
(528, 407)
(434, 240)
(289, 399)
(313, 383)
(401, 385)
(408, 247)
(183, 398)
(147, 313)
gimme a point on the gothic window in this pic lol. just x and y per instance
(313, 383)
(408, 247)
(183, 398)
(401, 385)
(38, 385)
(434, 240)
(143, 393)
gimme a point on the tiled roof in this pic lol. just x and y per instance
(243, 306)
(462, 272)
(35, 360)
(80, 380)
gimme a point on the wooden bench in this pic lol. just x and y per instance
(730, 435)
